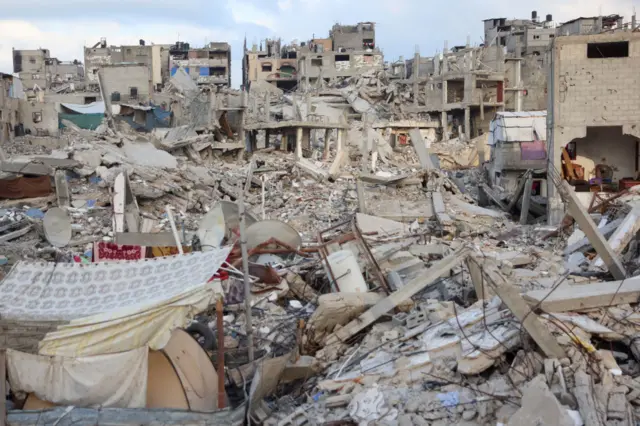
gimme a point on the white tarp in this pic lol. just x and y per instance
(117, 380)
(48, 291)
(92, 108)
(128, 328)
(518, 127)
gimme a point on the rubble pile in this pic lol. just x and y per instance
(359, 284)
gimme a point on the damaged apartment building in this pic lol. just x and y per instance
(276, 64)
(594, 99)
(154, 57)
(349, 50)
(38, 71)
(210, 64)
(10, 95)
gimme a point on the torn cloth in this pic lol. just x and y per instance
(116, 381)
(127, 329)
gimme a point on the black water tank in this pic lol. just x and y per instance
(141, 42)
(549, 18)
(534, 16)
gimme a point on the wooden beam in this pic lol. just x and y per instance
(516, 304)
(394, 299)
(568, 164)
(586, 296)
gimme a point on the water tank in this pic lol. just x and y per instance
(141, 42)
(549, 18)
(534, 16)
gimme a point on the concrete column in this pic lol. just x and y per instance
(341, 139)
(364, 146)
(306, 139)
(284, 142)
(445, 126)
(299, 143)
(526, 200)
(467, 123)
(241, 132)
(267, 106)
(327, 134)
(518, 85)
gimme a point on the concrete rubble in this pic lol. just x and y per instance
(346, 279)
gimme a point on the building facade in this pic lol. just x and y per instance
(594, 106)
(208, 65)
(9, 107)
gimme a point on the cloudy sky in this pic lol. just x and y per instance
(65, 26)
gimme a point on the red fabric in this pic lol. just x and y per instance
(105, 252)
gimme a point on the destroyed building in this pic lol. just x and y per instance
(126, 83)
(593, 97)
(155, 57)
(38, 68)
(277, 64)
(10, 93)
(349, 50)
(210, 64)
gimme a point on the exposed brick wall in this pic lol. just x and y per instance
(596, 92)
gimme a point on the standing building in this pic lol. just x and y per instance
(276, 64)
(155, 57)
(594, 111)
(9, 106)
(349, 50)
(208, 65)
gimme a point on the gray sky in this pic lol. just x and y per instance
(65, 26)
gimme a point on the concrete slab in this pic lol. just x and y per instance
(540, 407)
(145, 154)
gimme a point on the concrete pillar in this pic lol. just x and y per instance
(341, 139)
(467, 123)
(445, 126)
(518, 85)
(241, 132)
(267, 106)
(526, 200)
(299, 143)
(327, 134)
(364, 145)
(306, 139)
(284, 142)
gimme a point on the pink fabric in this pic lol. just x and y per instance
(535, 150)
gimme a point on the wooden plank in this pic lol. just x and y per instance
(568, 164)
(394, 299)
(586, 296)
(159, 239)
(516, 304)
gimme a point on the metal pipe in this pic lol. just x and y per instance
(176, 236)
(220, 325)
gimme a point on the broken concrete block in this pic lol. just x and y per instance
(540, 407)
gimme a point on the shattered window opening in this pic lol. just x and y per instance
(618, 49)
(37, 117)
